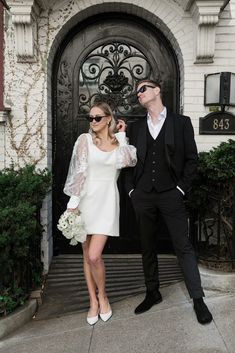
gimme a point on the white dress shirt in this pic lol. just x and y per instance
(155, 129)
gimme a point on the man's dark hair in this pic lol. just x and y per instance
(155, 83)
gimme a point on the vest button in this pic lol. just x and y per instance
(153, 179)
(154, 162)
(154, 152)
(153, 170)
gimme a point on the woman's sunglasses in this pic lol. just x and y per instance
(97, 118)
(143, 88)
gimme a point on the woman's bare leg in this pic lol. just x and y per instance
(97, 267)
(94, 305)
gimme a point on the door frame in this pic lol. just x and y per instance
(80, 27)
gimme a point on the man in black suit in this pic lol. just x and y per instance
(167, 162)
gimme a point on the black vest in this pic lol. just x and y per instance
(156, 174)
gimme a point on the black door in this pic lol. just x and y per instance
(102, 59)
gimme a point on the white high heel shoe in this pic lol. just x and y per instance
(92, 320)
(106, 316)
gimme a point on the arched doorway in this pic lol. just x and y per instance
(101, 59)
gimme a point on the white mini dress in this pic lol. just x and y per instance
(92, 183)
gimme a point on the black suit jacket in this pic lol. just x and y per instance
(180, 150)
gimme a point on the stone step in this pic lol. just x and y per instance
(66, 291)
(132, 276)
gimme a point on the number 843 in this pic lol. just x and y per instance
(221, 124)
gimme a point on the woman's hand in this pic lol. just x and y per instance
(121, 125)
(74, 210)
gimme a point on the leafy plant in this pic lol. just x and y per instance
(10, 299)
(219, 163)
(212, 198)
(216, 173)
(21, 194)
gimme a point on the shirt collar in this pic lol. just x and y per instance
(162, 115)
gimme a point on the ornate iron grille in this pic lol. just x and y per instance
(215, 230)
(109, 73)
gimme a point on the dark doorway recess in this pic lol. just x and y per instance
(102, 59)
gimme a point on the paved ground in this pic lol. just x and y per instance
(169, 327)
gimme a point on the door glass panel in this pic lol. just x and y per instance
(109, 74)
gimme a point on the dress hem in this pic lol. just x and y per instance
(100, 233)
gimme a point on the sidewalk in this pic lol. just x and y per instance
(169, 327)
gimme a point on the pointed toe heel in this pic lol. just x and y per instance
(105, 317)
(92, 320)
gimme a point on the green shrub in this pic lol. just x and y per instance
(215, 177)
(219, 163)
(21, 194)
(212, 202)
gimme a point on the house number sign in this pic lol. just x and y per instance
(217, 123)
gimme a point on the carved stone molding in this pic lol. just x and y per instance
(44, 4)
(185, 4)
(24, 17)
(206, 14)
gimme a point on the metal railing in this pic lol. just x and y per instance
(213, 234)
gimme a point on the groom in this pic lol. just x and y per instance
(167, 162)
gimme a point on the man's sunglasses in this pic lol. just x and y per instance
(143, 88)
(97, 118)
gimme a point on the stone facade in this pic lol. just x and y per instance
(202, 34)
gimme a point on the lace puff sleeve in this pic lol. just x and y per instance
(126, 154)
(74, 185)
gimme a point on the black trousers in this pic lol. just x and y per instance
(170, 204)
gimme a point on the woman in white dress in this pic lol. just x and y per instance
(91, 184)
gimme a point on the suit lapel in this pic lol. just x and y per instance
(141, 143)
(170, 143)
(169, 134)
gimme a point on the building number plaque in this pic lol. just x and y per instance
(217, 123)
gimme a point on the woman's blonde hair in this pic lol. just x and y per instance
(112, 125)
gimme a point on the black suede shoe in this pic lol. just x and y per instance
(151, 299)
(202, 312)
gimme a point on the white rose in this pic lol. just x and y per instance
(71, 221)
(73, 241)
(68, 235)
(77, 237)
(62, 225)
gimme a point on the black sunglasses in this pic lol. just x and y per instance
(143, 88)
(96, 118)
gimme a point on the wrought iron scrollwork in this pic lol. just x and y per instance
(215, 228)
(109, 74)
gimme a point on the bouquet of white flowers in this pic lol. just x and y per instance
(71, 226)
